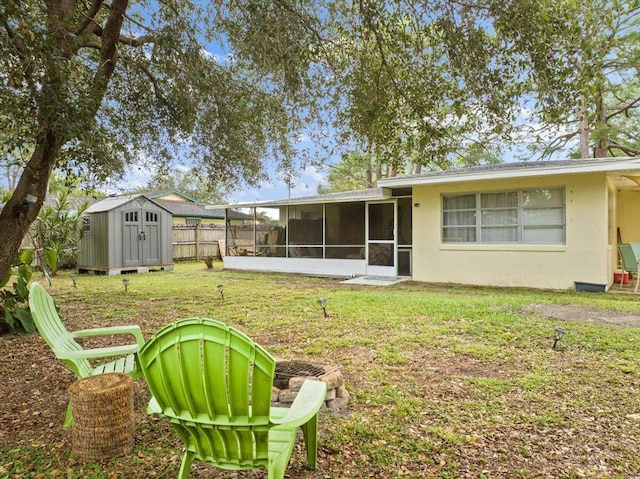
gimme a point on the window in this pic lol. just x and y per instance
(533, 216)
(345, 230)
(305, 235)
(192, 221)
(131, 217)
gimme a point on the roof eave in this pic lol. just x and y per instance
(602, 166)
(384, 195)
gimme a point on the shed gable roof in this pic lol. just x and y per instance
(113, 202)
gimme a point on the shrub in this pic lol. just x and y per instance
(15, 303)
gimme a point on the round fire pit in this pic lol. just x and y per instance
(290, 375)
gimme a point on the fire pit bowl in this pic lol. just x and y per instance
(290, 375)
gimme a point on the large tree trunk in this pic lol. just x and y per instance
(369, 176)
(25, 203)
(378, 170)
(584, 130)
(55, 116)
(601, 149)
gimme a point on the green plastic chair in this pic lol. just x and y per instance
(214, 385)
(630, 262)
(64, 346)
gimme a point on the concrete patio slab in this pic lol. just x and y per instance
(376, 280)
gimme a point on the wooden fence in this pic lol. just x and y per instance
(195, 242)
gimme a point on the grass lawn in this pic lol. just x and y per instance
(445, 381)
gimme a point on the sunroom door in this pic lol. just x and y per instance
(381, 239)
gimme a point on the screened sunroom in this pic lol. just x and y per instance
(342, 234)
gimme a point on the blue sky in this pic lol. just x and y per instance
(305, 184)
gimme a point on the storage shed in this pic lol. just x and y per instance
(126, 234)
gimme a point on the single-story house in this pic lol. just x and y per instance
(539, 224)
(186, 210)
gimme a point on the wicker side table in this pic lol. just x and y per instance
(103, 419)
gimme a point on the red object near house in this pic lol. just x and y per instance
(619, 275)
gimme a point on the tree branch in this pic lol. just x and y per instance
(558, 143)
(623, 109)
(89, 25)
(108, 53)
(157, 90)
(136, 42)
(628, 150)
(89, 17)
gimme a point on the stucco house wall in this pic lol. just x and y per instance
(627, 215)
(538, 266)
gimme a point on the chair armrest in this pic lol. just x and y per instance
(99, 352)
(133, 329)
(306, 404)
(153, 407)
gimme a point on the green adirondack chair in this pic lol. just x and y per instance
(214, 385)
(66, 348)
(630, 262)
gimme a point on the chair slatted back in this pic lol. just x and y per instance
(214, 384)
(629, 259)
(45, 316)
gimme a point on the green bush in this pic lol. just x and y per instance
(56, 233)
(15, 302)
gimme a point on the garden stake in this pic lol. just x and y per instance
(323, 304)
(558, 335)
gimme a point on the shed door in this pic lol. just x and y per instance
(151, 238)
(131, 248)
(141, 237)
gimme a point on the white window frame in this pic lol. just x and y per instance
(519, 226)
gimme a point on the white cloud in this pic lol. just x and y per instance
(138, 177)
(305, 184)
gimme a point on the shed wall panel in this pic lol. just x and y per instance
(94, 247)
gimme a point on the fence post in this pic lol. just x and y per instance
(197, 241)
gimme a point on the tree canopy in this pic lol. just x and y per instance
(93, 87)
(456, 84)
(582, 63)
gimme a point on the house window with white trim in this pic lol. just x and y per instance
(533, 216)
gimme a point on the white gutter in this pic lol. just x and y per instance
(455, 176)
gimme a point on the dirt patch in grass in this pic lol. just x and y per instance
(574, 312)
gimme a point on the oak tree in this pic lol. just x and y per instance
(92, 87)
